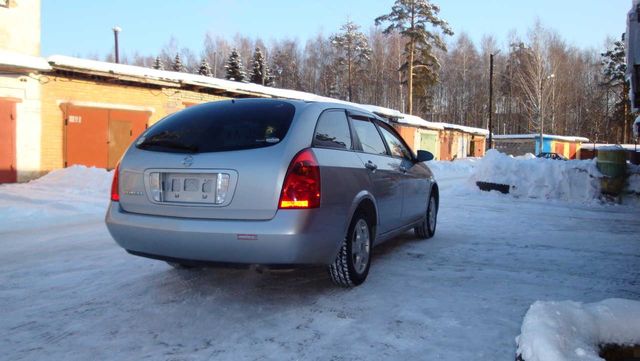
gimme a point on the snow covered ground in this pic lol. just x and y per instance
(68, 292)
(573, 331)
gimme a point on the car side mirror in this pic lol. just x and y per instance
(424, 156)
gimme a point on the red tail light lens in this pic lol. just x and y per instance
(115, 193)
(301, 187)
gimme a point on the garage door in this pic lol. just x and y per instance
(124, 127)
(8, 173)
(428, 142)
(98, 137)
(573, 150)
(559, 148)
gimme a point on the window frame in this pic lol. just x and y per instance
(351, 131)
(366, 117)
(391, 129)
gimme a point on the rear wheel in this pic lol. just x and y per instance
(351, 265)
(427, 228)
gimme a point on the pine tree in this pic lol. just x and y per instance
(418, 22)
(260, 73)
(177, 64)
(614, 70)
(353, 51)
(157, 64)
(234, 68)
(205, 69)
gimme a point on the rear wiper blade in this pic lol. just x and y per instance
(168, 144)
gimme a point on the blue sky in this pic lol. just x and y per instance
(81, 27)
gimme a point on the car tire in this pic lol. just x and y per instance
(427, 228)
(352, 263)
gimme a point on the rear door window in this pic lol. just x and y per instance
(396, 146)
(369, 136)
(221, 126)
(332, 130)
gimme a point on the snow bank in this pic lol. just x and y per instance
(459, 169)
(76, 179)
(62, 196)
(574, 180)
(567, 331)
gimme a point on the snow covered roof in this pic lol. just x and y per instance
(602, 146)
(417, 121)
(546, 136)
(143, 73)
(67, 62)
(22, 61)
(464, 128)
(392, 113)
(177, 78)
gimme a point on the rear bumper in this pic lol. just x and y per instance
(292, 237)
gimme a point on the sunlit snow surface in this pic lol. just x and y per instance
(67, 291)
(573, 331)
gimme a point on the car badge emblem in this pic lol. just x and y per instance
(187, 161)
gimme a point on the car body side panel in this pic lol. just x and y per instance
(343, 176)
(416, 187)
(386, 186)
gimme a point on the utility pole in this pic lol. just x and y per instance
(541, 113)
(116, 30)
(490, 101)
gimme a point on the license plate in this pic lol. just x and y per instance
(198, 188)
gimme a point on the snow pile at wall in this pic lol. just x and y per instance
(567, 331)
(77, 179)
(448, 170)
(62, 196)
(574, 180)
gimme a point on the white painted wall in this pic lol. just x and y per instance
(20, 27)
(28, 122)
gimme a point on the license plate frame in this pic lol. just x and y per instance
(189, 188)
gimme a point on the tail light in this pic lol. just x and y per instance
(301, 187)
(115, 193)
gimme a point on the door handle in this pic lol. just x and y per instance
(370, 165)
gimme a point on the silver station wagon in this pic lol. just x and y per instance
(272, 183)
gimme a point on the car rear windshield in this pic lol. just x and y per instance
(221, 126)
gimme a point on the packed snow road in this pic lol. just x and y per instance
(67, 291)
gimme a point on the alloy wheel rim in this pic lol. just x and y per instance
(360, 246)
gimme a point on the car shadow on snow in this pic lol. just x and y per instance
(288, 287)
(400, 245)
